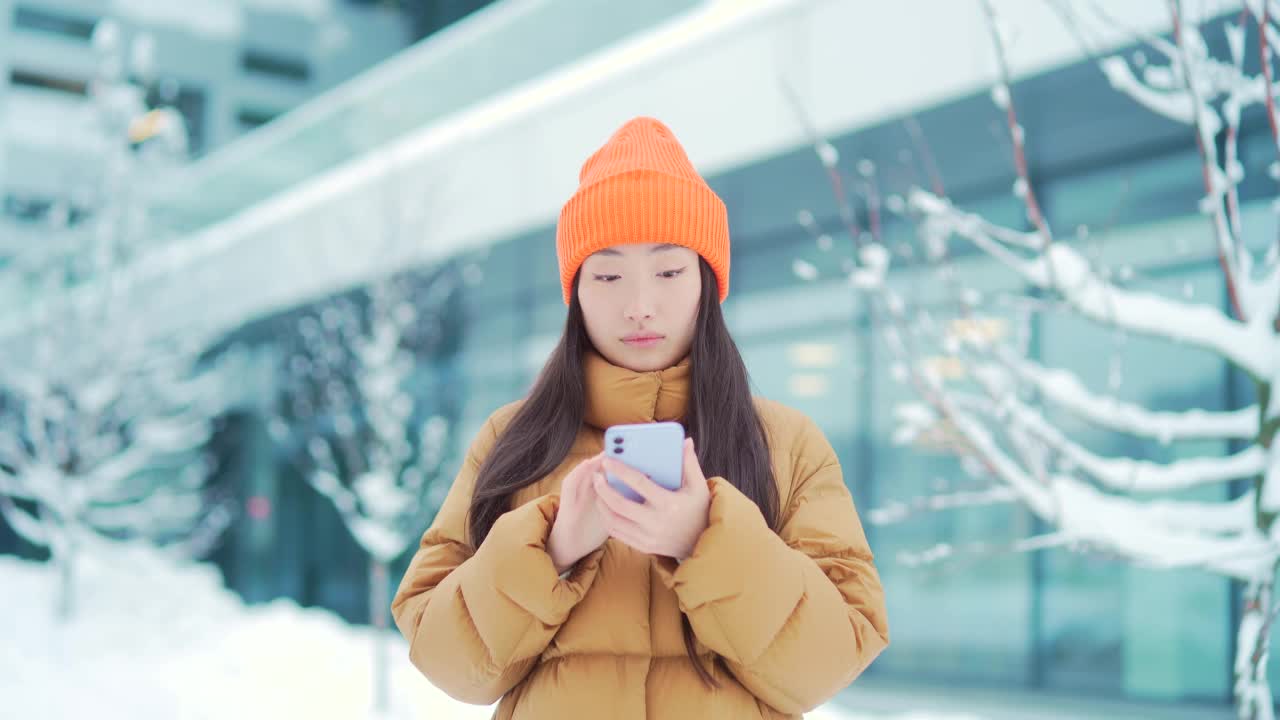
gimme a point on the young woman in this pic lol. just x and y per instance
(748, 592)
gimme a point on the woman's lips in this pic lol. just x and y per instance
(642, 340)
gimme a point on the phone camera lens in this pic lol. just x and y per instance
(617, 451)
(617, 441)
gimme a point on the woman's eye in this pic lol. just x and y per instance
(607, 278)
(671, 273)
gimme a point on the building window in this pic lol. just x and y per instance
(36, 208)
(260, 62)
(53, 23)
(250, 118)
(188, 101)
(32, 79)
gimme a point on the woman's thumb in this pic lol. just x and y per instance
(690, 461)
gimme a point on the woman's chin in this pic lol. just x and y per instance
(645, 358)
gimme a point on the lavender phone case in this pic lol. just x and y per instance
(655, 449)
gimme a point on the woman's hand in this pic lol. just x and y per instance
(579, 526)
(667, 522)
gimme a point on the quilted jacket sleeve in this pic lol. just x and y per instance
(477, 621)
(798, 614)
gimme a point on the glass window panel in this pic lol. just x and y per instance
(1109, 625)
(942, 614)
(814, 372)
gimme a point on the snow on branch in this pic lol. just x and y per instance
(897, 511)
(944, 552)
(1163, 534)
(1123, 473)
(1139, 531)
(1065, 389)
(1251, 347)
(1176, 105)
(21, 522)
(1033, 493)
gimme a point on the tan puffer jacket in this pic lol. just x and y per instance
(796, 615)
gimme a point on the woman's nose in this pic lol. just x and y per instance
(639, 310)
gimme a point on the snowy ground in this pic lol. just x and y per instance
(157, 641)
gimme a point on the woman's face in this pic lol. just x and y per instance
(640, 303)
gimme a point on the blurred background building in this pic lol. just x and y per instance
(334, 143)
(228, 67)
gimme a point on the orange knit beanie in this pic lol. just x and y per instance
(641, 188)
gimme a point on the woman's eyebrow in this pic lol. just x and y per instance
(661, 248)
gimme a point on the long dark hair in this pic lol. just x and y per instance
(720, 417)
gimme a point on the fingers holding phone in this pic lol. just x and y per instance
(656, 499)
(579, 527)
(653, 449)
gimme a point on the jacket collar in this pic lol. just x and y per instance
(616, 395)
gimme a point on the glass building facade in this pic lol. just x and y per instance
(1053, 620)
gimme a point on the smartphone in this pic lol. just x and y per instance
(655, 449)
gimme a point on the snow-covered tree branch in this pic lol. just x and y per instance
(364, 420)
(102, 435)
(1063, 270)
(997, 405)
(358, 419)
(1063, 388)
